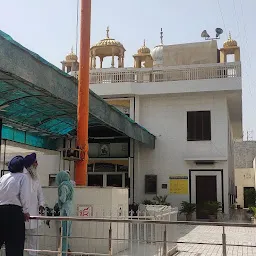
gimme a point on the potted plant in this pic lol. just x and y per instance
(253, 211)
(161, 200)
(212, 208)
(188, 209)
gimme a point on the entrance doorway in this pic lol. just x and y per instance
(249, 197)
(206, 190)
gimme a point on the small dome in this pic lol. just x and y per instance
(230, 42)
(108, 42)
(144, 49)
(71, 56)
(158, 55)
(158, 52)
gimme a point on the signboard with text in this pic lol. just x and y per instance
(179, 185)
(84, 211)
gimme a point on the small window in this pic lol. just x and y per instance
(198, 125)
(52, 180)
(150, 184)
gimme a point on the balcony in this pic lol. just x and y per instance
(166, 74)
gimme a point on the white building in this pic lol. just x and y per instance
(245, 169)
(190, 98)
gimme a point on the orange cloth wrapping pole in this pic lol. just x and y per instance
(83, 93)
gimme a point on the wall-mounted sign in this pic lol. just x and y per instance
(84, 211)
(104, 150)
(179, 185)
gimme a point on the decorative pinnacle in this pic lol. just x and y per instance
(162, 36)
(107, 31)
(144, 44)
(72, 50)
(229, 36)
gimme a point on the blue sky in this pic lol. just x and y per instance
(48, 27)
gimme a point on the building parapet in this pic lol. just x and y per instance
(166, 74)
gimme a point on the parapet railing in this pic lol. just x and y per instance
(166, 74)
(124, 236)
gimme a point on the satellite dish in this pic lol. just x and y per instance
(205, 34)
(219, 31)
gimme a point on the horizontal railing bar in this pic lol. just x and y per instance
(72, 253)
(163, 222)
(164, 68)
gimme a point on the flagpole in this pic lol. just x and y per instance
(83, 93)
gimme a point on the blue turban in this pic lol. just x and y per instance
(29, 160)
(16, 164)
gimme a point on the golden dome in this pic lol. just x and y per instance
(108, 42)
(144, 49)
(230, 42)
(71, 56)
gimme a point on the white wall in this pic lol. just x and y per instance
(244, 177)
(184, 86)
(166, 117)
(104, 202)
(47, 164)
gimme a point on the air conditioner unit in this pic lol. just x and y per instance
(72, 154)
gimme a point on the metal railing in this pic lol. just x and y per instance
(125, 237)
(166, 74)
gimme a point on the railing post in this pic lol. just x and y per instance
(110, 240)
(165, 242)
(224, 242)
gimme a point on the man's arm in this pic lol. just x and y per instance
(40, 198)
(24, 196)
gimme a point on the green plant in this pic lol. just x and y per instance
(187, 208)
(253, 211)
(147, 202)
(161, 200)
(212, 208)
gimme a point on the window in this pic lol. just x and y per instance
(52, 180)
(150, 184)
(198, 125)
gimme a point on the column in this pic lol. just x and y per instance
(223, 56)
(63, 66)
(101, 62)
(119, 61)
(91, 61)
(94, 62)
(237, 54)
(113, 61)
(122, 61)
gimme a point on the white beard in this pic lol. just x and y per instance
(33, 172)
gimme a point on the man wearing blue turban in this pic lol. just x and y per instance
(14, 208)
(36, 205)
(65, 202)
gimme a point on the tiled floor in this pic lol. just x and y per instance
(243, 238)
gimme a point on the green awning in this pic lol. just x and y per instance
(39, 98)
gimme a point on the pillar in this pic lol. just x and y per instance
(119, 61)
(237, 54)
(94, 62)
(101, 62)
(83, 93)
(223, 56)
(122, 61)
(113, 61)
(91, 61)
(63, 66)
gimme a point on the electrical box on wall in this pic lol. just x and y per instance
(72, 154)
